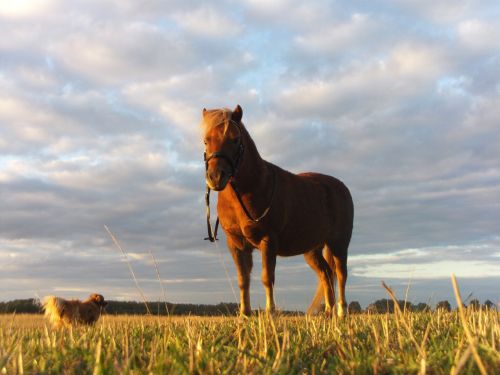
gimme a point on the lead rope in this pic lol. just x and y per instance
(247, 213)
(212, 235)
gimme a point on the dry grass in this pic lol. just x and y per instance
(395, 343)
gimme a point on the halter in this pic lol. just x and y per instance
(234, 164)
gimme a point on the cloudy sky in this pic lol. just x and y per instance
(100, 105)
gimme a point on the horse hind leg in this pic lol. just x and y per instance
(336, 255)
(268, 268)
(324, 291)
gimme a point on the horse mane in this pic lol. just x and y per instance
(213, 118)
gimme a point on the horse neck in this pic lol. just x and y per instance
(252, 170)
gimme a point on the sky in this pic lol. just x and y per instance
(100, 110)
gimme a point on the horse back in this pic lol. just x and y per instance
(316, 209)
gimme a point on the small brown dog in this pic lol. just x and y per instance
(61, 312)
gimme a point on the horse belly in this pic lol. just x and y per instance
(308, 227)
(301, 240)
(308, 221)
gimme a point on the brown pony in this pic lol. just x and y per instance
(275, 211)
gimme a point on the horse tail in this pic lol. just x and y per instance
(319, 296)
(54, 308)
(316, 301)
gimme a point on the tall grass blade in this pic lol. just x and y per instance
(129, 267)
(161, 283)
(472, 340)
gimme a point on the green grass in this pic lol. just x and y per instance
(394, 343)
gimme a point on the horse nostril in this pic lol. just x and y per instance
(214, 176)
(217, 177)
(211, 176)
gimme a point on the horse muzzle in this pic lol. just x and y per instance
(217, 179)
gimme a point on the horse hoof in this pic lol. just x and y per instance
(271, 312)
(245, 313)
(341, 309)
(328, 312)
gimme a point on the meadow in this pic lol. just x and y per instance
(404, 342)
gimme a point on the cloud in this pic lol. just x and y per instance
(25, 8)
(371, 83)
(100, 53)
(476, 34)
(100, 107)
(432, 270)
(429, 263)
(206, 21)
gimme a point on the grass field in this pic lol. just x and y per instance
(434, 342)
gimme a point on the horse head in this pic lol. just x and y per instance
(223, 145)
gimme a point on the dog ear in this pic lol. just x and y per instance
(98, 299)
(102, 302)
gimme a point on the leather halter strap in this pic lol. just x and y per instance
(234, 164)
(247, 213)
(212, 234)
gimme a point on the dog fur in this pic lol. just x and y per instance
(64, 313)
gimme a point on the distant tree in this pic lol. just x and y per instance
(382, 306)
(407, 305)
(20, 306)
(489, 305)
(133, 307)
(443, 305)
(475, 304)
(422, 307)
(354, 308)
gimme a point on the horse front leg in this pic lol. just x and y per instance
(268, 250)
(244, 263)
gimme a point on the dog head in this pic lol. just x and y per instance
(98, 299)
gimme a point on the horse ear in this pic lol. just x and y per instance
(237, 114)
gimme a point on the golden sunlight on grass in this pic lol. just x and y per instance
(405, 342)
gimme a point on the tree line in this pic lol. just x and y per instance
(32, 306)
(387, 305)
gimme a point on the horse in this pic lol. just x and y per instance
(262, 206)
